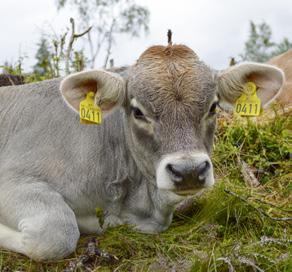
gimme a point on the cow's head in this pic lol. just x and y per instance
(169, 98)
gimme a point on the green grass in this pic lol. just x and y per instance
(230, 227)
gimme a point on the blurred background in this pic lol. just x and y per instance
(37, 37)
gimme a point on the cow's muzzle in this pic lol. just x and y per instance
(185, 173)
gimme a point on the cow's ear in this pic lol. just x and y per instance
(231, 82)
(109, 89)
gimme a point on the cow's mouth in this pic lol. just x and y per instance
(187, 191)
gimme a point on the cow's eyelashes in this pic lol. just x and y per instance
(137, 113)
(213, 109)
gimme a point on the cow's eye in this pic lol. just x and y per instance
(213, 109)
(138, 114)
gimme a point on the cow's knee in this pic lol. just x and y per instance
(49, 239)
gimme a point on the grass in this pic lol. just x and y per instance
(232, 227)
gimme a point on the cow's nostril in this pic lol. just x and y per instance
(202, 169)
(175, 172)
(186, 173)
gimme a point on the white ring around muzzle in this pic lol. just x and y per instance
(163, 179)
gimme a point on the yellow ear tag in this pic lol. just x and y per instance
(88, 112)
(248, 104)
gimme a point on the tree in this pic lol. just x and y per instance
(43, 66)
(260, 47)
(282, 47)
(73, 37)
(78, 62)
(54, 54)
(108, 18)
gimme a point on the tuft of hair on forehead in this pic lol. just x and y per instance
(171, 79)
(169, 52)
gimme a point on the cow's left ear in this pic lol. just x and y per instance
(109, 89)
(267, 78)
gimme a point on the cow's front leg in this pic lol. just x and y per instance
(36, 221)
(112, 220)
(154, 223)
(89, 224)
(149, 226)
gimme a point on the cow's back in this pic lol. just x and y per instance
(41, 136)
(284, 62)
(22, 106)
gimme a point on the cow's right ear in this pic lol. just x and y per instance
(109, 89)
(268, 79)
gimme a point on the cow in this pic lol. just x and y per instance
(284, 62)
(151, 150)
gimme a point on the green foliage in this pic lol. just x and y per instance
(50, 59)
(260, 47)
(231, 226)
(282, 47)
(43, 66)
(13, 69)
(133, 19)
(79, 61)
(55, 56)
(58, 55)
(264, 147)
(47, 61)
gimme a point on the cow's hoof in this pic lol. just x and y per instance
(112, 221)
(150, 228)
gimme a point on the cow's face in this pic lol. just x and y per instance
(170, 97)
(171, 110)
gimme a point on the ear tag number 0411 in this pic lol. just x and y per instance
(89, 113)
(248, 104)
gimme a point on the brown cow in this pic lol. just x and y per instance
(284, 62)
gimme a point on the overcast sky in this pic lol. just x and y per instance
(214, 29)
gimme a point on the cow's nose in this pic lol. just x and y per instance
(183, 173)
(202, 169)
